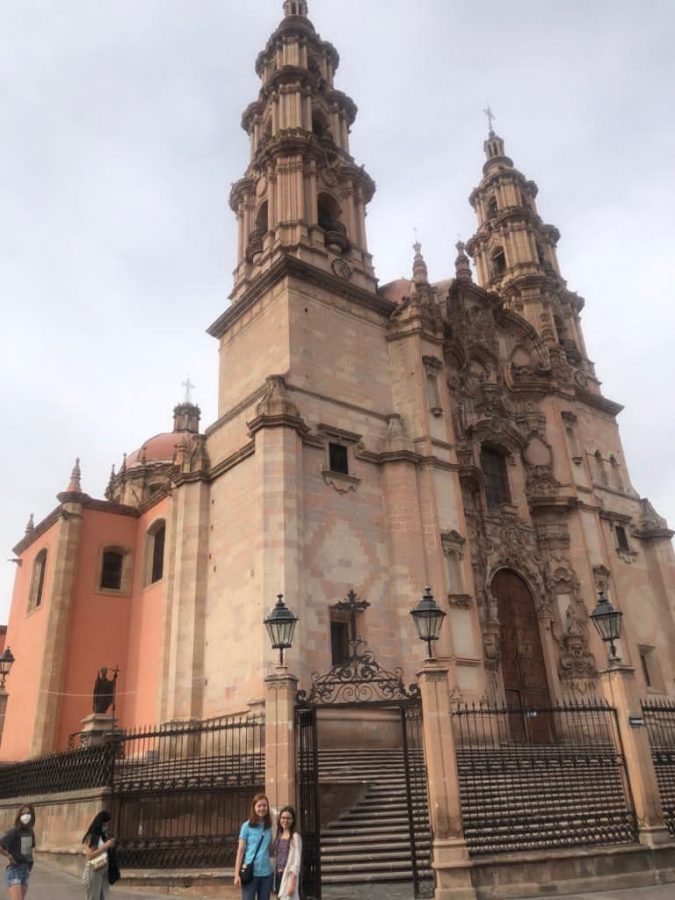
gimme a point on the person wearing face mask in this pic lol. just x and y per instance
(100, 869)
(17, 845)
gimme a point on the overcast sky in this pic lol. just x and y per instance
(120, 136)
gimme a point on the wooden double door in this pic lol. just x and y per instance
(523, 667)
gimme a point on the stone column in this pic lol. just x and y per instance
(280, 691)
(620, 689)
(450, 858)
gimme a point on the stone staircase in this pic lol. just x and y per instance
(370, 842)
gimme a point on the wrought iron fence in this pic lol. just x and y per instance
(541, 778)
(73, 770)
(181, 792)
(659, 716)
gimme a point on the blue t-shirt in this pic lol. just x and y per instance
(262, 865)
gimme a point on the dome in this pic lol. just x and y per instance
(159, 448)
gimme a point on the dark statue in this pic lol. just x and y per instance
(104, 691)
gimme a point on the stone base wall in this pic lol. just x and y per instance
(60, 823)
(581, 870)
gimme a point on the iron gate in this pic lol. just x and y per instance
(360, 682)
(180, 792)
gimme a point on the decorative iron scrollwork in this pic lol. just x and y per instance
(358, 679)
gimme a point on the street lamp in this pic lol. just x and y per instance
(280, 626)
(428, 618)
(607, 621)
(6, 663)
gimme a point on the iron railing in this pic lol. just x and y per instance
(181, 792)
(73, 770)
(659, 716)
(541, 778)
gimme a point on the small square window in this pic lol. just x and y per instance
(338, 460)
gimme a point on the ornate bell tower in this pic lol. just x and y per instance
(302, 195)
(515, 254)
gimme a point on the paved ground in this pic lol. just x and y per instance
(51, 884)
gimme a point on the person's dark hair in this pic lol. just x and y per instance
(25, 807)
(96, 826)
(291, 827)
(253, 818)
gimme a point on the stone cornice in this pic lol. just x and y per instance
(282, 420)
(598, 401)
(289, 266)
(232, 460)
(107, 506)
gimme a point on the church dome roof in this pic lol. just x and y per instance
(159, 448)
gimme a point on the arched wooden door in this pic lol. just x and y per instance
(523, 667)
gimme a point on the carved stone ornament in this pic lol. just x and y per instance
(342, 268)
(601, 576)
(571, 633)
(342, 483)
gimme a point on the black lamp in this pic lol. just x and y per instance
(607, 621)
(428, 618)
(280, 626)
(6, 663)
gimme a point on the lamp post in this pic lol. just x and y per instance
(6, 663)
(607, 621)
(280, 626)
(428, 618)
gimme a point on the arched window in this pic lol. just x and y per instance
(600, 467)
(498, 263)
(492, 208)
(154, 552)
(37, 582)
(261, 219)
(616, 473)
(319, 123)
(493, 466)
(329, 213)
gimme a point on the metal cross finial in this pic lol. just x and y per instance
(490, 117)
(189, 386)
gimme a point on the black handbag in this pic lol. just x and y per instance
(246, 871)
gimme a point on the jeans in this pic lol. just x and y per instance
(17, 874)
(258, 888)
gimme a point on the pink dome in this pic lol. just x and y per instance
(159, 448)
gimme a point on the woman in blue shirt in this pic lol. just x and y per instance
(255, 839)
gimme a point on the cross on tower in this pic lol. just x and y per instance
(189, 386)
(490, 117)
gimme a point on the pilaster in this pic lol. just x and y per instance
(57, 632)
(620, 688)
(280, 693)
(450, 856)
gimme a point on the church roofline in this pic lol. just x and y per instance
(289, 266)
(108, 506)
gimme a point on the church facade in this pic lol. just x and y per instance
(370, 439)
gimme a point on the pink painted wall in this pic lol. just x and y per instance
(99, 624)
(26, 636)
(142, 677)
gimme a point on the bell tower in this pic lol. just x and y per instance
(302, 195)
(515, 252)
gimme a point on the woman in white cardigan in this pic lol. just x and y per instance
(288, 856)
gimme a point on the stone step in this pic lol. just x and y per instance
(346, 844)
(332, 830)
(371, 877)
(351, 859)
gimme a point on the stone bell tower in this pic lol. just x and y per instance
(515, 256)
(302, 194)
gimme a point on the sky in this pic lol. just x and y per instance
(120, 136)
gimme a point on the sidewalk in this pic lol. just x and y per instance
(51, 884)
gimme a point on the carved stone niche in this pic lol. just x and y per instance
(453, 544)
(570, 626)
(601, 576)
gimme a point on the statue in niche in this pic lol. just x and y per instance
(104, 691)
